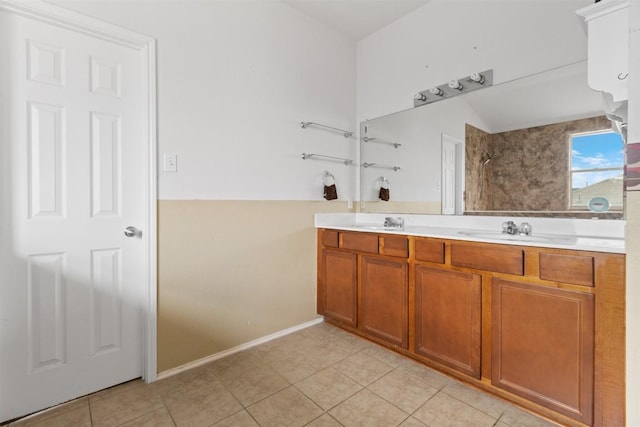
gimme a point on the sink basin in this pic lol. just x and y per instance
(496, 235)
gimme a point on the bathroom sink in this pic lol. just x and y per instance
(496, 235)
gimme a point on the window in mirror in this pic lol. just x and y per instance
(597, 160)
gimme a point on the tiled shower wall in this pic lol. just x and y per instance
(529, 170)
(632, 167)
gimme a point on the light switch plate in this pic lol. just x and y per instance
(170, 162)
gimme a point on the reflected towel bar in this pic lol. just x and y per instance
(345, 133)
(306, 156)
(376, 165)
(382, 141)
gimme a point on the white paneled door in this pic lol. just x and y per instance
(75, 173)
(450, 174)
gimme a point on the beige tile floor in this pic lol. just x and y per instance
(319, 376)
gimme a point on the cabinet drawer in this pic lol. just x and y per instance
(576, 269)
(394, 246)
(430, 250)
(501, 259)
(361, 242)
(330, 238)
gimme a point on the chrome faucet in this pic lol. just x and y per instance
(510, 227)
(396, 223)
(525, 229)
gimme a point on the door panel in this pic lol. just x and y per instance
(448, 318)
(75, 173)
(46, 289)
(543, 345)
(450, 175)
(384, 299)
(340, 270)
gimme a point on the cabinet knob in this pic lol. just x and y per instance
(623, 76)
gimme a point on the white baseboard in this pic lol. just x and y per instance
(173, 371)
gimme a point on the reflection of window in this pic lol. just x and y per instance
(596, 168)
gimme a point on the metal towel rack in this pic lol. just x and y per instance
(376, 165)
(306, 156)
(382, 141)
(345, 133)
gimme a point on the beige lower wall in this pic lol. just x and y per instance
(233, 271)
(633, 306)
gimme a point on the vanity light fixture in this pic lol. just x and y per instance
(454, 87)
(455, 84)
(477, 77)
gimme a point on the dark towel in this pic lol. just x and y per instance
(330, 192)
(384, 194)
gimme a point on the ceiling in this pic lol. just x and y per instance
(356, 18)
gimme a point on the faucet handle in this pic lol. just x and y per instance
(525, 229)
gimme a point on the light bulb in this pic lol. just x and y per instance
(477, 77)
(454, 84)
(436, 91)
(420, 97)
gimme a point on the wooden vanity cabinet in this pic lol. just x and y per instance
(541, 327)
(543, 345)
(339, 270)
(364, 283)
(448, 318)
(384, 299)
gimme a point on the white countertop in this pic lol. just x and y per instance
(563, 233)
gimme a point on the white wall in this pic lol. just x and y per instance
(448, 39)
(234, 80)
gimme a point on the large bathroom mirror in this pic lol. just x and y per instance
(508, 149)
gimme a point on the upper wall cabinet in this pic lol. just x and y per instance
(608, 47)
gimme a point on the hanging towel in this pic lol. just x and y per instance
(384, 189)
(330, 190)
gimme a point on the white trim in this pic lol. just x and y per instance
(65, 18)
(600, 9)
(174, 371)
(45, 12)
(150, 363)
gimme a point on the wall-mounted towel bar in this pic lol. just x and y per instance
(376, 165)
(382, 141)
(306, 156)
(345, 133)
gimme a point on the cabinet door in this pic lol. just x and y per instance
(543, 346)
(448, 318)
(384, 299)
(339, 284)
